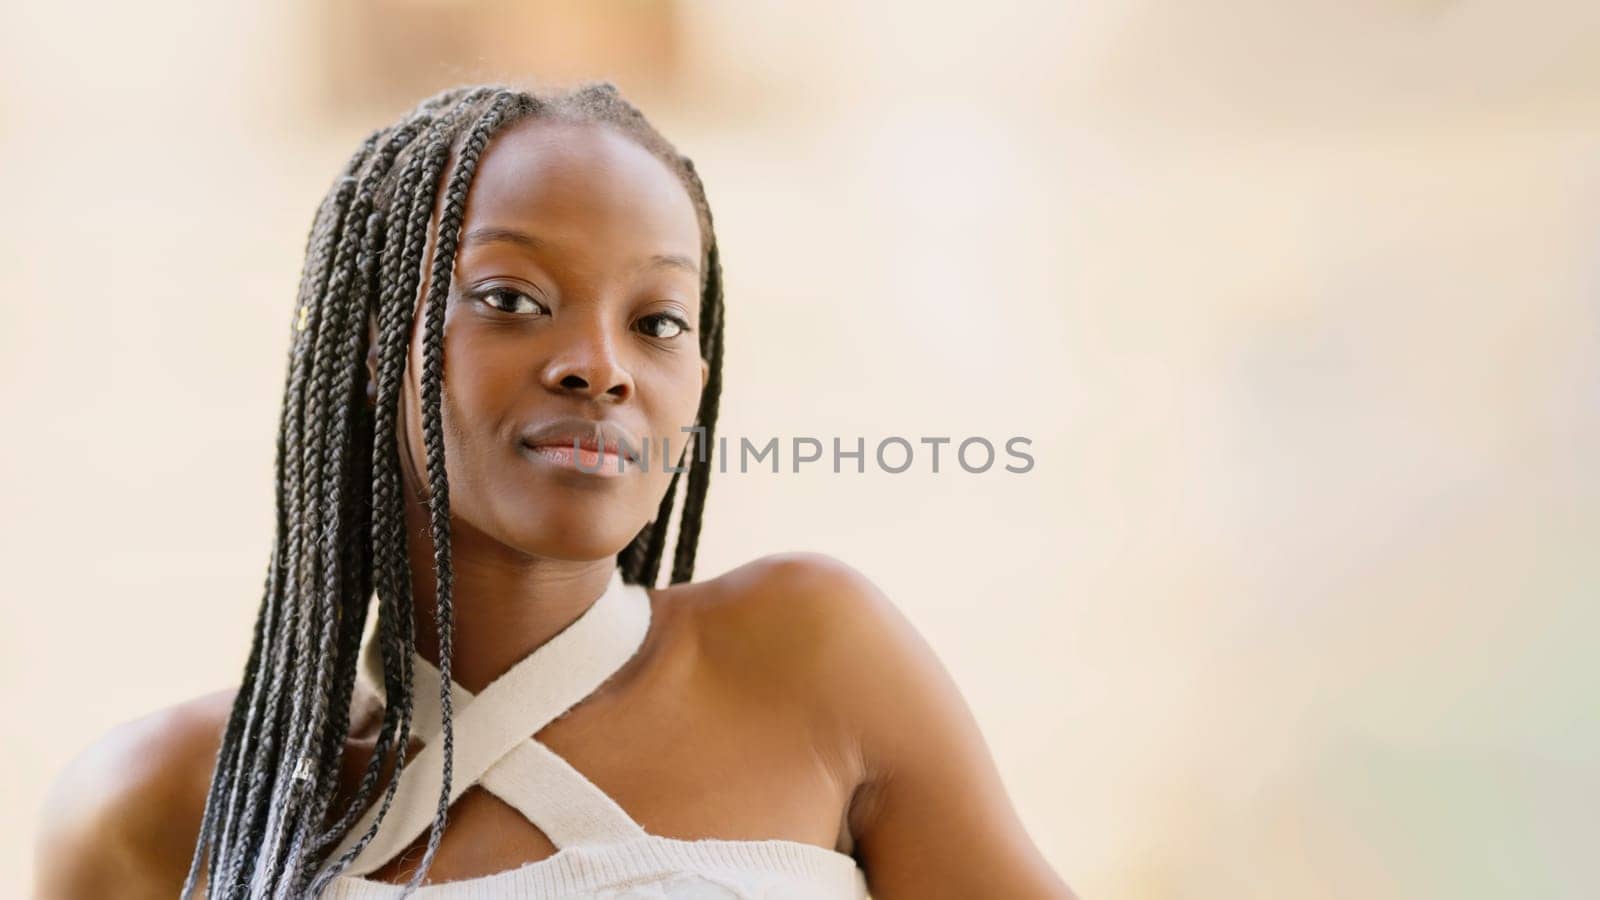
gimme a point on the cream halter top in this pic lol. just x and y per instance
(601, 852)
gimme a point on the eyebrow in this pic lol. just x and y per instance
(489, 234)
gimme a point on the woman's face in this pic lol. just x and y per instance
(575, 295)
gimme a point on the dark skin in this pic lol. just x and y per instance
(787, 698)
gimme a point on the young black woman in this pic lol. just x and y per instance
(504, 292)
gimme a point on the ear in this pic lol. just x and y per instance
(705, 372)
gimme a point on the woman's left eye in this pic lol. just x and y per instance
(664, 325)
(510, 301)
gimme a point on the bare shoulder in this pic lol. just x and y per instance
(785, 589)
(122, 817)
(808, 628)
(800, 613)
(835, 629)
(929, 815)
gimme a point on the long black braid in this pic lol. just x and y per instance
(340, 534)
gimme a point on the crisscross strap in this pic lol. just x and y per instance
(493, 743)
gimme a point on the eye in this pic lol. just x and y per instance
(509, 300)
(664, 325)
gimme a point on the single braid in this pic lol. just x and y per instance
(711, 348)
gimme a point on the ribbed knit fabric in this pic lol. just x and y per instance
(602, 853)
(652, 868)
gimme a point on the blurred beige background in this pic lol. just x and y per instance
(1299, 303)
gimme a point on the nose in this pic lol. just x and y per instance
(586, 364)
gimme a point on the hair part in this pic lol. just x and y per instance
(340, 533)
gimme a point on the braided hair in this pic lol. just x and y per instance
(267, 828)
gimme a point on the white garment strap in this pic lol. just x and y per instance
(493, 731)
(533, 779)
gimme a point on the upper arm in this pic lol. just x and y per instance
(121, 819)
(78, 850)
(932, 818)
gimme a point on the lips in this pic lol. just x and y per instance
(598, 436)
(582, 442)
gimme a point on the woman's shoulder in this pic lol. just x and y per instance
(122, 817)
(928, 806)
(792, 607)
(798, 582)
(808, 627)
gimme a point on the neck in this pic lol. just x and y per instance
(505, 604)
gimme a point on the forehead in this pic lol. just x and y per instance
(584, 188)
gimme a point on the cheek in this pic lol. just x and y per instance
(472, 385)
(484, 379)
(678, 402)
(473, 391)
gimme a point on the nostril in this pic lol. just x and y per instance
(573, 381)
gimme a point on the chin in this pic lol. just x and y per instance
(573, 536)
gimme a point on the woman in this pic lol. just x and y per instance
(508, 341)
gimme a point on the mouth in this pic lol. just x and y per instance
(586, 447)
(591, 460)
